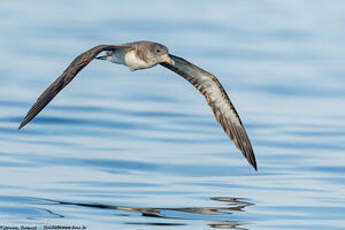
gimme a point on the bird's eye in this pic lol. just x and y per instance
(158, 51)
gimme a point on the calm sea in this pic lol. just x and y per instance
(142, 150)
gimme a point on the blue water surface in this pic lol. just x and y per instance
(141, 150)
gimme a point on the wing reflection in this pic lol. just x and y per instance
(228, 225)
(230, 205)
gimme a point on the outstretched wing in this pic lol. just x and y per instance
(65, 78)
(219, 101)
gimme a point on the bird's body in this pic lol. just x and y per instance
(135, 63)
(136, 57)
(145, 54)
(118, 57)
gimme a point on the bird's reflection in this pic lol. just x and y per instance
(227, 225)
(231, 205)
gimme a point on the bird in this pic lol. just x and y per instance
(146, 54)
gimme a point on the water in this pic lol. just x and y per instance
(142, 150)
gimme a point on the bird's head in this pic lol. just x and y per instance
(156, 52)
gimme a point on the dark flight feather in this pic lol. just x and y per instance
(219, 101)
(65, 78)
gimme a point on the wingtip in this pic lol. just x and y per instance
(253, 163)
(21, 126)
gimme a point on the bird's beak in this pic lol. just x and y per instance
(167, 59)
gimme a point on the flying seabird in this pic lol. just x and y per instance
(145, 54)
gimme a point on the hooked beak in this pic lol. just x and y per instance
(167, 59)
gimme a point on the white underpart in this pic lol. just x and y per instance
(134, 63)
(128, 59)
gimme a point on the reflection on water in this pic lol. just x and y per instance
(233, 204)
(142, 150)
(167, 216)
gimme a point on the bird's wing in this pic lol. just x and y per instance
(218, 100)
(65, 78)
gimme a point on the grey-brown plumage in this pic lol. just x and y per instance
(219, 101)
(65, 78)
(144, 54)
